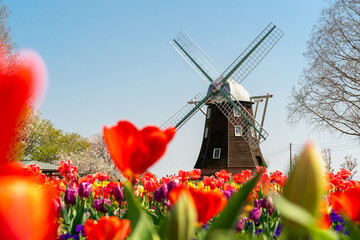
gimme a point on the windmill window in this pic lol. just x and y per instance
(238, 131)
(206, 132)
(216, 153)
(236, 113)
(208, 113)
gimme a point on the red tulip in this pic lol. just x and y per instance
(26, 209)
(224, 175)
(347, 203)
(208, 204)
(195, 174)
(184, 175)
(133, 150)
(107, 228)
(18, 88)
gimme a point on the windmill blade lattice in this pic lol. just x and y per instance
(186, 112)
(253, 54)
(188, 49)
(253, 133)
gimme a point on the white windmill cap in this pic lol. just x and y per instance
(236, 90)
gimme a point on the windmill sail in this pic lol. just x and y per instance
(196, 57)
(235, 73)
(253, 54)
(186, 112)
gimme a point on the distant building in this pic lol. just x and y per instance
(46, 168)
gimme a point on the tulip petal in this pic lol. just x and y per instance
(18, 87)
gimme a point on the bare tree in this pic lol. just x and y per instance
(327, 159)
(328, 93)
(350, 164)
(95, 159)
(7, 54)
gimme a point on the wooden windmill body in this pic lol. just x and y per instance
(232, 136)
(224, 145)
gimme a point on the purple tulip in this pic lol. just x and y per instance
(255, 214)
(240, 225)
(271, 210)
(99, 204)
(85, 189)
(267, 202)
(118, 194)
(257, 203)
(227, 194)
(171, 185)
(157, 197)
(70, 196)
(164, 191)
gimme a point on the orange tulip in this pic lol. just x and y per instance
(107, 228)
(208, 204)
(133, 150)
(27, 211)
(347, 203)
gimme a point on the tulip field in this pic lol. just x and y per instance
(185, 207)
(307, 204)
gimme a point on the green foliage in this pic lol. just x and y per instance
(141, 224)
(181, 222)
(43, 142)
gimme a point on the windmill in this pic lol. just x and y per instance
(232, 136)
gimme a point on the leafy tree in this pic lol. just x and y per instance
(327, 94)
(39, 140)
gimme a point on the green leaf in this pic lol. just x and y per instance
(65, 216)
(353, 231)
(299, 215)
(141, 224)
(93, 214)
(218, 234)
(294, 212)
(153, 216)
(79, 218)
(320, 234)
(109, 209)
(228, 217)
(134, 208)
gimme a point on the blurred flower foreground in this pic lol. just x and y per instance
(309, 204)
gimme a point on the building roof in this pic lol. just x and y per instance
(237, 91)
(45, 167)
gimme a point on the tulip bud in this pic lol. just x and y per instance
(157, 196)
(84, 189)
(305, 186)
(99, 204)
(70, 196)
(118, 194)
(164, 191)
(255, 214)
(172, 185)
(267, 202)
(240, 225)
(182, 220)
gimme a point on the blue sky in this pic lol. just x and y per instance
(111, 60)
